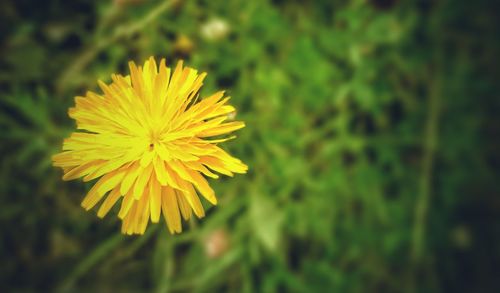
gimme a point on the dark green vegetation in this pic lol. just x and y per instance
(372, 139)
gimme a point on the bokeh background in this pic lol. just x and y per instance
(372, 139)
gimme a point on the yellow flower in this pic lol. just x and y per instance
(145, 138)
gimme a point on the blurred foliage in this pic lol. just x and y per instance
(372, 139)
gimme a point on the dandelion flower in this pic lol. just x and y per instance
(150, 141)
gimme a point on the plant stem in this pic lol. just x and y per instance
(429, 147)
(89, 261)
(95, 48)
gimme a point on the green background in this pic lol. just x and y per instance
(372, 139)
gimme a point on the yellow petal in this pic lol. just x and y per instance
(192, 198)
(222, 129)
(127, 203)
(142, 180)
(202, 185)
(142, 216)
(129, 179)
(109, 202)
(200, 168)
(106, 183)
(183, 206)
(155, 199)
(83, 170)
(170, 210)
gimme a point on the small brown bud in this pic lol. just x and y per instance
(217, 243)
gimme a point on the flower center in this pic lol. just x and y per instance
(154, 138)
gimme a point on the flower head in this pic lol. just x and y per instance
(147, 139)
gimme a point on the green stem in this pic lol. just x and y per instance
(120, 32)
(430, 146)
(89, 261)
